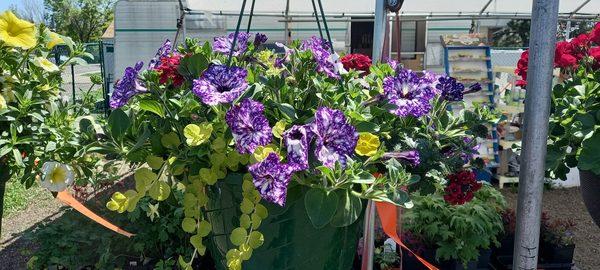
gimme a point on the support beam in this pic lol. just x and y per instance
(537, 110)
(380, 26)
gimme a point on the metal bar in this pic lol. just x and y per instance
(317, 18)
(237, 31)
(250, 18)
(287, 35)
(537, 111)
(481, 12)
(379, 31)
(580, 7)
(325, 24)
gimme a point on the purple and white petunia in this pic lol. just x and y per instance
(327, 62)
(259, 39)
(412, 156)
(279, 61)
(297, 140)
(249, 126)
(335, 137)
(410, 93)
(163, 51)
(220, 84)
(127, 87)
(224, 44)
(271, 178)
(450, 89)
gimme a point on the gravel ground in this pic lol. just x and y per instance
(567, 203)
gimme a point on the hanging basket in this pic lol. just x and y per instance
(291, 241)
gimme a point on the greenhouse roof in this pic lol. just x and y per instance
(431, 8)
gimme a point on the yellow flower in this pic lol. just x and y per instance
(56, 176)
(16, 32)
(367, 144)
(54, 39)
(2, 103)
(45, 64)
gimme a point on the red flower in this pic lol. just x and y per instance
(168, 70)
(594, 52)
(580, 46)
(461, 188)
(522, 66)
(563, 55)
(595, 34)
(356, 61)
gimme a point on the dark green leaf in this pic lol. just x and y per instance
(118, 123)
(590, 154)
(367, 127)
(320, 206)
(152, 106)
(348, 210)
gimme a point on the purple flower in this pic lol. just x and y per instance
(271, 178)
(163, 51)
(410, 93)
(224, 44)
(335, 138)
(127, 87)
(297, 140)
(476, 87)
(411, 156)
(279, 61)
(220, 84)
(249, 126)
(326, 62)
(259, 39)
(450, 89)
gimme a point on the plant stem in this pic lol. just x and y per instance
(4, 177)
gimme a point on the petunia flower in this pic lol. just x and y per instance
(164, 51)
(271, 178)
(15, 32)
(2, 103)
(411, 156)
(450, 89)
(327, 62)
(259, 39)
(45, 64)
(249, 126)
(220, 84)
(368, 144)
(56, 176)
(224, 44)
(297, 140)
(410, 93)
(53, 39)
(127, 87)
(335, 137)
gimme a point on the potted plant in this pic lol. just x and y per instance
(574, 140)
(386, 257)
(558, 243)
(271, 156)
(459, 224)
(40, 134)
(507, 241)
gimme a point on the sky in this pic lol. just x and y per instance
(4, 4)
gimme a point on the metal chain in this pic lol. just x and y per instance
(237, 31)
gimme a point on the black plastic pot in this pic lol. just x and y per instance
(557, 254)
(410, 262)
(484, 258)
(507, 244)
(590, 191)
(291, 241)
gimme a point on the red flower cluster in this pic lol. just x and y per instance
(168, 70)
(356, 61)
(568, 54)
(461, 187)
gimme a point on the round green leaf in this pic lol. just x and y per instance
(160, 191)
(204, 228)
(256, 239)
(188, 225)
(238, 236)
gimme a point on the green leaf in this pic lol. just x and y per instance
(160, 191)
(320, 206)
(193, 66)
(188, 225)
(590, 154)
(152, 106)
(238, 236)
(288, 110)
(348, 210)
(154, 162)
(170, 140)
(197, 134)
(118, 123)
(367, 127)
(256, 239)
(196, 241)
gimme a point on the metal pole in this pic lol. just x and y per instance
(379, 31)
(537, 110)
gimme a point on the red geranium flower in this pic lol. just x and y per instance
(563, 55)
(461, 188)
(580, 46)
(595, 34)
(522, 66)
(356, 61)
(594, 52)
(168, 70)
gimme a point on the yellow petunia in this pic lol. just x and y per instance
(2, 103)
(56, 176)
(54, 39)
(45, 64)
(16, 32)
(367, 144)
